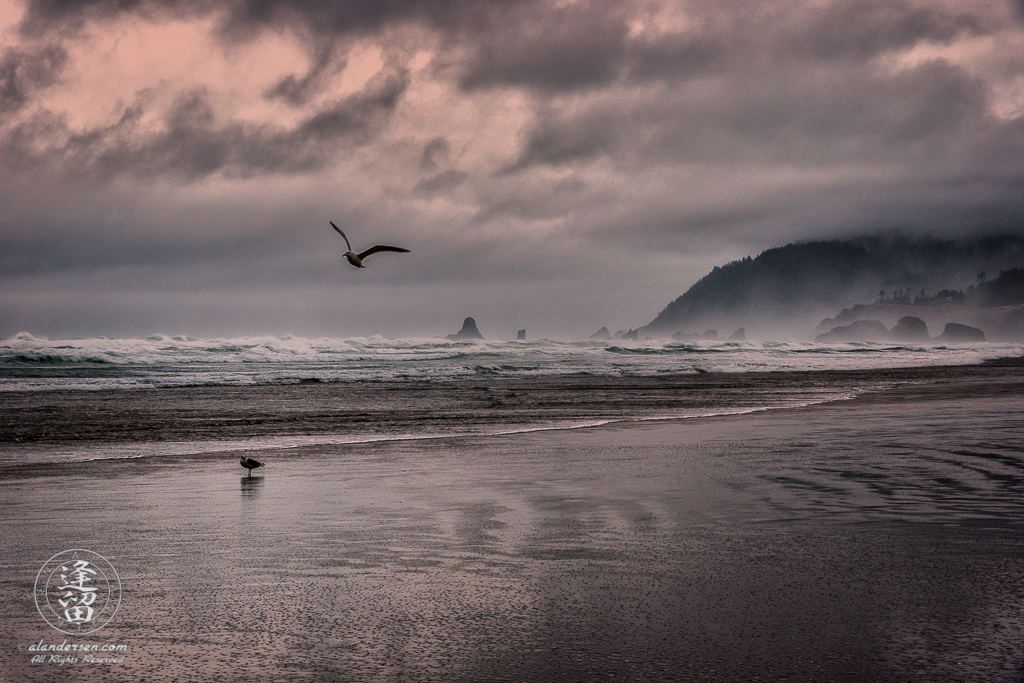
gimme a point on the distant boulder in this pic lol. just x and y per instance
(710, 335)
(739, 335)
(910, 329)
(955, 332)
(632, 335)
(521, 335)
(859, 331)
(468, 331)
(602, 334)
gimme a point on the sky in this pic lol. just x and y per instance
(170, 166)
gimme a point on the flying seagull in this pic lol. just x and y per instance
(357, 259)
(249, 464)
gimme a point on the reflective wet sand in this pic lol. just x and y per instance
(873, 539)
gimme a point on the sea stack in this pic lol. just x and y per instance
(955, 332)
(468, 331)
(858, 331)
(910, 329)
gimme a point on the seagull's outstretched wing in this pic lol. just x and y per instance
(381, 247)
(342, 234)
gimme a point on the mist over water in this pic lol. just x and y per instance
(31, 364)
(85, 399)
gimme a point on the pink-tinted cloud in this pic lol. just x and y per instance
(511, 143)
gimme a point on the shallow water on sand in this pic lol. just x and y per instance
(68, 426)
(869, 539)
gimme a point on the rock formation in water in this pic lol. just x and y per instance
(739, 335)
(521, 335)
(859, 331)
(468, 331)
(955, 332)
(1000, 323)
(602, 335)
(910, 329)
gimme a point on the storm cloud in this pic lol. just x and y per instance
(552, 165)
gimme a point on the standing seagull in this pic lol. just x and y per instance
(357, 259)
(249, 464)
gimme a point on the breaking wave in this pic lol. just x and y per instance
(29, 363)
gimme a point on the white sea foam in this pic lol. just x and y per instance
(28, 363)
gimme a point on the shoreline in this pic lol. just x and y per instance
(901, 389)
(867, 539)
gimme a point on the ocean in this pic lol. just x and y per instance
(72, 400)
(546, 511)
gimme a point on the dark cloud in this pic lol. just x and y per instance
(355, 117)
(679, 56)
(66, 17)
(440, 182)
(528, 43)
(344, 18)
(67, 249)
(564, 137)
(243, 18)
(779, 82)
(297, 90)
(863, 29)
(25, 72)
(525, 198)
(436, 160)
(560, 137)
(842, 115)
(435, 154)
(194, 143)
(558, 48)
(740, 36)
(562, 46)
(789, 83)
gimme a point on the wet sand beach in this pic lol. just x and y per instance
(874, 539)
